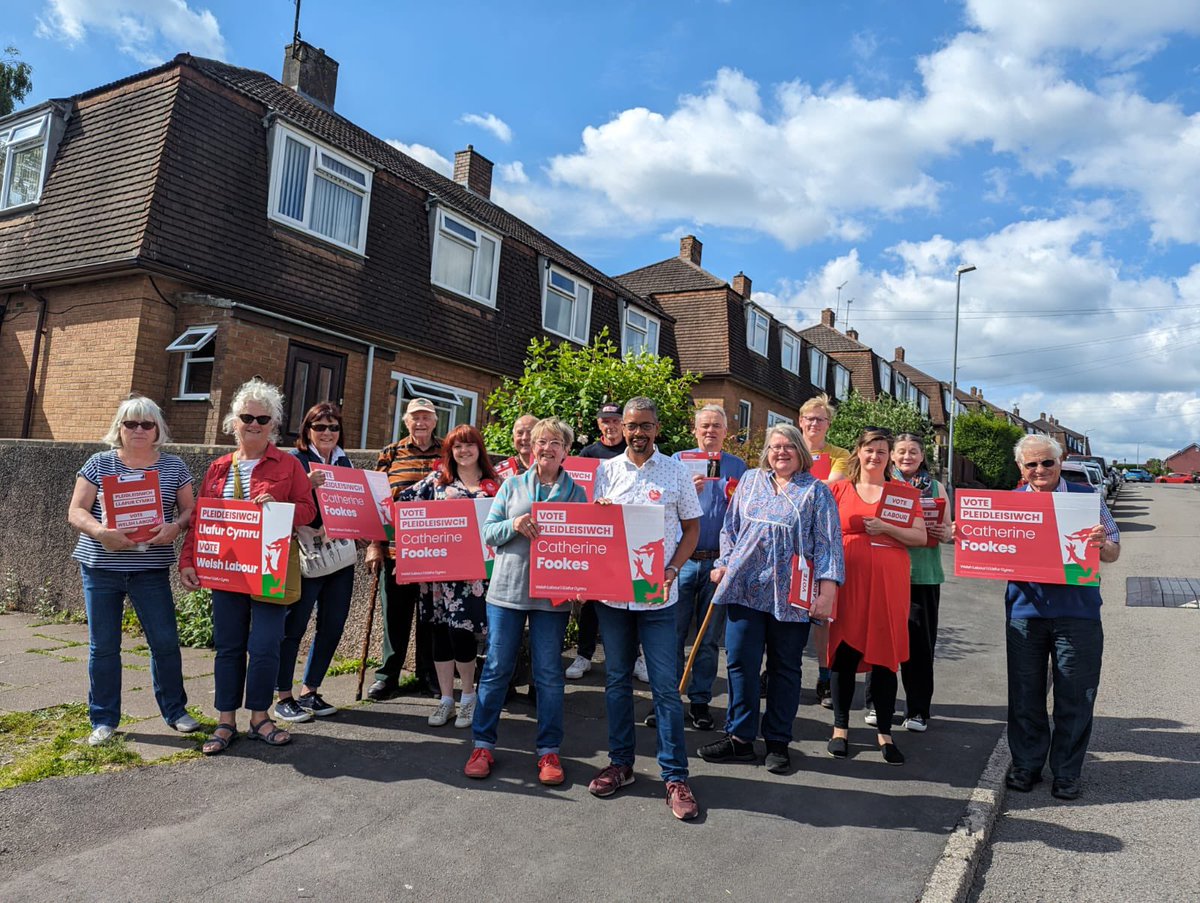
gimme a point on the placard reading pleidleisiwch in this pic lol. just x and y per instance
(242, 547)
(613, 553)
(1041, 537)
(442, 541)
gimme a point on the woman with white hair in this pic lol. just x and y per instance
(114, 566)
(244, 627)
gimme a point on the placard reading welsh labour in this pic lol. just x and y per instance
(822, 466)
(509, 467)
(702, 463)
(934, 512)
(609, 552)
(898, 504)
(583, 472)
(440, 541)
(355, 504)
(133, 500)
(1036, 536)
(242, 547)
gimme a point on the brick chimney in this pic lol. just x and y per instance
(899, 353)
(974, 392)
(1042, 416)
(1016, 411)
(741, 285)
(473, 171)
(311, 73)
(852, 334)
(690, 249)
(827, 317)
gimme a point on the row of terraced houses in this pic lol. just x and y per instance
(181, 230)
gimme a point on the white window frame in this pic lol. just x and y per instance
(901, 384)
(947, 403)
(444, 233)
(626, 328)
(444, 398)
(885, 377)
(789, 345)
(744, 422)
(923, 403)
(820, 380)
(9, 151)
(191, 343)
(280, 133)
(754, 329)
(842, 382)
(580, 332)
(773, 418)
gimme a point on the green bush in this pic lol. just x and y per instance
(988, 442)
(856, 413)
(193, 614)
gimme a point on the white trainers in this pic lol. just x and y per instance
(186, 724)
(916, 723)
(870, 718)
(578, 668)
(466, 713)
(443, 713)
(100, 735)
(639, 670)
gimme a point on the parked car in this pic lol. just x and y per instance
(1138, 475)
(1080, 472)
(1176, 478)
(1108, 475)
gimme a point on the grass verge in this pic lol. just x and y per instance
(52, 743)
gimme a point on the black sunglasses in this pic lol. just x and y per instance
(1045, 465)
(326, 427)
(132, 425)
(261, 419)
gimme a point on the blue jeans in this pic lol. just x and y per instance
(695, 597)
(149, 592)
(331, 596)
(244, 627)
(655, 628)
(546, 632)
(1075, 647)
(747, 634)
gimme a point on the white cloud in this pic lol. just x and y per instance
(426, 155)
(150, 31)
(513, 173)
(490, 122)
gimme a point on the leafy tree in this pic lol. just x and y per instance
(988, 440)
(15, 81)
(570, 382)
(1156, 466)
(856, 413)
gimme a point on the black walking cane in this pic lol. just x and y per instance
(362, 662)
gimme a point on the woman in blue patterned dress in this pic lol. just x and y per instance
(779, 513)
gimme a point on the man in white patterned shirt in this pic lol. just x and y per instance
(645, 476)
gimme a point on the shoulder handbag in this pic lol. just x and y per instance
(291, 590)
(320, 555)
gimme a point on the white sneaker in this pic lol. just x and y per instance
(186, 724)
(870, 718)
(915, 723)
(442, 713)
(578, 668)
(639, 670)
(466, 713)
(101, 735)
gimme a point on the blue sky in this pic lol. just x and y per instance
(1055, 146)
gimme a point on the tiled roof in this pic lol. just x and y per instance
(929, 385)
(829, 339)
(671, 275)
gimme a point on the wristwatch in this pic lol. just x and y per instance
(671, 567)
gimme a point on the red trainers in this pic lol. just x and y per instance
(550, 770)
(610, 779)
(680, 799)
(480, 763)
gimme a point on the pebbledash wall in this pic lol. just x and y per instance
(36, 543)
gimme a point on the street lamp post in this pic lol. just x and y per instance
(954, 379)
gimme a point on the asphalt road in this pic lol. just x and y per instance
(1132, 835)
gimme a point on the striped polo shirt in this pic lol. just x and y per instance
(406, 465)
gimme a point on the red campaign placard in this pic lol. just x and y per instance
(822, 466)
(934, 512)
(802, 590)
(133, 500)
(355, 504)
(583, 472)
(580, 553)
(898, 504)
(242, 547)
(438, 541)
(509, 467)
(702, 463)
(1037, 536)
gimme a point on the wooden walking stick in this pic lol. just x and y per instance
(362, 663)
(703, 628)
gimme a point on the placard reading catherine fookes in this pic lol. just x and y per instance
(609, 552)
(355, 504)
(583, 472)
(133, 501)
(1037, 536)
(242, 547)
(442, 541)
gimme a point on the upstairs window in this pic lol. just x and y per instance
(566, 306)
(946, 403)
(913, 394)
(885, 377)
(789, 352)
(198, 346)
(23, 161)
(757, 326)
(640, 333)
(923, 404)
(841, 382)
(316, 189)
(901, 387)
(466, 260)
(818, 368)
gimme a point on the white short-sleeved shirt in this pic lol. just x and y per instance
(660, 481)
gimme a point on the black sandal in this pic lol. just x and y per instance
(215, 745)
(270, 739)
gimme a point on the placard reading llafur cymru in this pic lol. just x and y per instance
(1037, 536)
(242, 547)
(355, 504)
(442, 541)
(609, 552)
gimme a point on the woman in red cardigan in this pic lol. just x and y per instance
(247, 632)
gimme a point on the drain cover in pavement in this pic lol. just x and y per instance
(1163, 592)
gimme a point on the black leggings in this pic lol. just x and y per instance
(453, 644)
(843, 669)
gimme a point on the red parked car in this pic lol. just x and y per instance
(1176, 478)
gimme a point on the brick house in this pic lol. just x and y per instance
(181, 230)
(1186, 460)
(752, 364)
(1073, 443)
(925, 392)
(852, 364)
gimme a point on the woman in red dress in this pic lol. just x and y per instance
(870, 632)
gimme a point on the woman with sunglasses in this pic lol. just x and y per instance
(319, 442)
(456, 611)
(247, 632)
(115, 566)
(870, 631)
